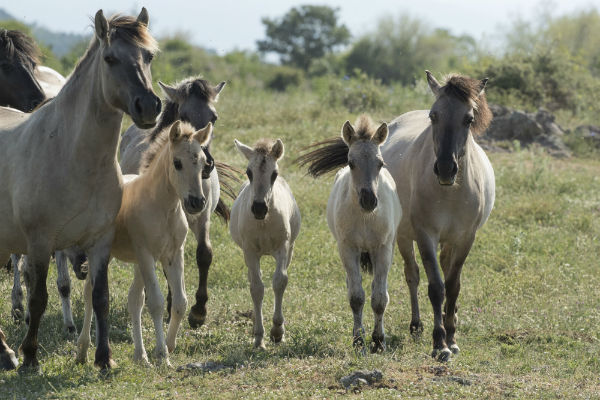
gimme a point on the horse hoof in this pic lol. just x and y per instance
(8, 360)
(105, 366)
(454, 348)
(196, 319)
(277, 333)
(17, 313)
(416, 329)
(32, 368)
(378, 346)
(259, 343)
(71, 331)
(442, 355)
(81, 358)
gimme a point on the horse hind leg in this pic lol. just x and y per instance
(63, 282)
(411, 274)
(280, 281)
(135, 305)
(204, 256)
(18, 311)
(83, 343)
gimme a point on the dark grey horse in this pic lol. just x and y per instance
(18, 58)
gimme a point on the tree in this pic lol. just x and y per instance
(304, 34)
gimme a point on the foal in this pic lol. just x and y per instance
(151, 226)
(265, 219)
(363, 213)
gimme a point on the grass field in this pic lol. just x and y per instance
(529, 309)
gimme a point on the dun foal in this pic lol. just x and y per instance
(363, 213)
(151, 226)
(265, 219)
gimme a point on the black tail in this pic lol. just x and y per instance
(228, 177)
(329, 155)
(365, 263)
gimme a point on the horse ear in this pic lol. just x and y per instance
(434, 85)
(101, 25)
(169, 91)
(242, 148)
(482, 84)
(143, 18)
(348, 133)
(277, 150)
(203, 135)
(218, 89)
(381, 134)
(175, 132)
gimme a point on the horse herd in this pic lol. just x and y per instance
(421, 178)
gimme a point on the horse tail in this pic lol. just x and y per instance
(365, 263)
(329, 155)
(228, 178)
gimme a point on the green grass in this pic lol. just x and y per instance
(529, 310)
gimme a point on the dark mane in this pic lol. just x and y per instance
(133, 31)
(468, 90)
(17, 45)
(193, 86)
(364, 127)
(328, 156)
(264, 146)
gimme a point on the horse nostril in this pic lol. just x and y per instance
(158, 104)
(368, 200)
(259, 209)
(435, 168)
(454, 168)
(137, 105)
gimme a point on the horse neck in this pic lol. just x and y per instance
(90, 123)
(157, 182)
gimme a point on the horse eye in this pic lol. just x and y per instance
(468, 120)
(177, 164)
(273, 177)
(433, 117)
(214, 119)
(110, 60)
(351, 164)
(150, 57)
(208, 169)
(380, 164)
(249, 173)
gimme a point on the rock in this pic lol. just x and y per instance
(528, 128)
(362, 377)
(208, 366)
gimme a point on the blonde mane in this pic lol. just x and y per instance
(161, 140)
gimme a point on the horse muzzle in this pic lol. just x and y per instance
(194, 205)
(446, 172)
(144, 110)
(259, 209)
(367, 200)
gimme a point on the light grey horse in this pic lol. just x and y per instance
(363, 213)
(265, 220)
(446, 187)
(69, 146)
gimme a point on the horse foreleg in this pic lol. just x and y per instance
(63, 282)
(135, 304)
(356, 294)
(382, 259)
(283, 257)
(411, 274)
(452, 284)
(204, 256)
(436, 291)
(155, 302)
(99, 257)
(174, 271)
(8, 360)
(83, 343)
(18, 312)
(257, 290)
(38, 258)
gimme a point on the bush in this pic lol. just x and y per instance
(283, 78)
(358, 93)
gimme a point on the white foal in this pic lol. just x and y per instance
(265, 219)
(363, 213)
(151, 226)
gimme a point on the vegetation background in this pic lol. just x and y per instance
(529, 310)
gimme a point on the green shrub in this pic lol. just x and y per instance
(358, 93)
(283, 78)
